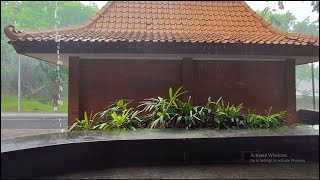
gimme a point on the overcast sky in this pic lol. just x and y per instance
(300, 9)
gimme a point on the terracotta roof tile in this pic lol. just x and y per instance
(180, 21)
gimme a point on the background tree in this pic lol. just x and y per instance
(306, 27)
(284, 22)
(314, 4)
(38, 76)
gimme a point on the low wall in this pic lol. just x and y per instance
(50, 155)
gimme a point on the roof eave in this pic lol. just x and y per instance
(150, 47)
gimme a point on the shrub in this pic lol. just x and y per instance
(118, 115)
(163, 111)
(173, 113)
(270, 120)
(228, 116)
(85, 124)
(185, 115)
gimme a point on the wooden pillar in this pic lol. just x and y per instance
(74, 89)
(291, 91)
(187, 78)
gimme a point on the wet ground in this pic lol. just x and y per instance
(209, 171)
(33, 120)
(12, 133)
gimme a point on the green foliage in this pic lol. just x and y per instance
(314, 5)
(282, 22)
(306, 27)
(118, 116)
(287, 22)
(86, 124)
(128, 119)
(268, 121)
(174, 113)
(186, 115)
(159, 111)
(227, 116)
(164, 111)
(115, 107)
(36, 15)
(9, 103)
(304, 74)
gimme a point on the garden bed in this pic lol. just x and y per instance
(162, 112)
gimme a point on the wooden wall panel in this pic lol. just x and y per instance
(105, 81)
(259, 85)
(74, 90)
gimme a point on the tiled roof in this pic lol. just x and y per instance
(172, 21)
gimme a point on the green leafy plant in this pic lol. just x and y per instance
(270, 120)
(174, 113)
(115, 107)
(128, 119)
(162, 110)
(273, 120)
(118, 116)
(227, 116)
(159, 111)
(85, 124)
(184, 115)
(189, 116)
(255, 120)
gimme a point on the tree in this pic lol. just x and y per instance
(287, 22)
(283, 22)
(306, 27)
(36, 15)
(303, 74)
(314, 4)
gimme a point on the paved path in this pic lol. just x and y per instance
(11, 133)
(32, 114)
(33, 120)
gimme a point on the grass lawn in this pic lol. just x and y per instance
(9, 103)
(306, 102)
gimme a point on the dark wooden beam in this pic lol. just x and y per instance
(291, 90)
(74, 90)
(166, 48)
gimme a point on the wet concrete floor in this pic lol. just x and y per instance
(207, 171)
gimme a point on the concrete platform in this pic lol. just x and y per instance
(61, 153)
(48, 138)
